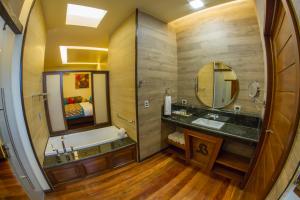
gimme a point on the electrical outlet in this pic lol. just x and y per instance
(184, 101)
(237, 108)
(146, 104)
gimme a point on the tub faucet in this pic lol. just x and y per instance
(63, 144)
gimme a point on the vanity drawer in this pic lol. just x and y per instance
(203, 149)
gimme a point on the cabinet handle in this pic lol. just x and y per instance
(269, 131)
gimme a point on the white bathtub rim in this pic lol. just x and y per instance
(57, 144)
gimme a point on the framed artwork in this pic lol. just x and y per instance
(82, 81)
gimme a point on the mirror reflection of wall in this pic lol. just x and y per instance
(217, 85)
(206, 84)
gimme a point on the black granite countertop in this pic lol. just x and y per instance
(53, 161)
(240, 127)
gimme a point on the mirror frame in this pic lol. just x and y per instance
(95, 126)
(232, 99)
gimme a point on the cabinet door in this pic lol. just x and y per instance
(95, 165)
(123, 157)
(203, 149)
(65, 173)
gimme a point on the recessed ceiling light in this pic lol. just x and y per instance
(84, 16)
(196, 4)
(64, 54)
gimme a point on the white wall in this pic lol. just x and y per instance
(69, 88)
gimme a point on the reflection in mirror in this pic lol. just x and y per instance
(217, 85)
(77, 95)
(76, 100)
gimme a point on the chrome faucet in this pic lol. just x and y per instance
(213, 116)
(63, 144)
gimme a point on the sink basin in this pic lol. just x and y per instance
(208, 123)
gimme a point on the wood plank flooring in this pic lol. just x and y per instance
(9, 186)
(159, 178)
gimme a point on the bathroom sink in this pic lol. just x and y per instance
(208, 123)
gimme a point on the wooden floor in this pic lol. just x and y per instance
(161, 177)
(9, 186)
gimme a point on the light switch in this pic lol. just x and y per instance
(146, 104)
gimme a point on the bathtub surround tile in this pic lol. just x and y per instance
(156, 71)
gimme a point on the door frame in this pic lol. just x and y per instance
(272, 7)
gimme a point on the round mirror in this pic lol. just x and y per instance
(217, 85)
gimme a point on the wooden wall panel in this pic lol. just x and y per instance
(230, 34)
(33, 67)
(121, 64)
(281, 123)
(294, 156)
(157, 71)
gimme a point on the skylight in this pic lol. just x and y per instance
(196, 4)
(64, 54)
(84, 16)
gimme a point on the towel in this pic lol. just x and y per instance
(177, 137)
(167, 106)
(122, 133)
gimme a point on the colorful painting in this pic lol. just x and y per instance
(82, 81)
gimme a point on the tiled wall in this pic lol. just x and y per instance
(229, 34)
(33, 66)
(157, 71)
(121, 64)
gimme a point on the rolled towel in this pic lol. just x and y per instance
(122, 133)
(177, 137)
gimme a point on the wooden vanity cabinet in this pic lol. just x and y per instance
(88, 167)
(201, 149)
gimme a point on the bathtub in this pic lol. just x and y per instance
(83, 140)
